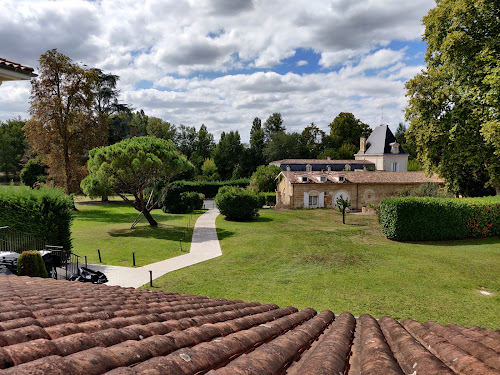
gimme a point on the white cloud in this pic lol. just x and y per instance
(205, 54)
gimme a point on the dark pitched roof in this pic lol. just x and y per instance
(64, 328)
(16, 67)
(379, 141)
(363, 177)
(319, 161)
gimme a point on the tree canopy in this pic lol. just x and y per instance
(12, 146)
(454, 107)
(345, 129)
(131, 166)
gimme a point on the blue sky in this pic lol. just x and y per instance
(223, 62)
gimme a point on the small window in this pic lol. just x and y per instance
(323, 178)
(394, 167)
(313, 200)
(308, 168)
(341, 178)
(304, 179)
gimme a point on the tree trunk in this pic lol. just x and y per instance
(150, 219)
(343, 215)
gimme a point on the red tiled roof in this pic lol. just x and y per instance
(10, 65)
(64, 328)
(363, 177)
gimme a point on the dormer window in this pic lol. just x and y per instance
(328, 168)
(347, 167)
(395, 148)
(322, 178)
(308, 168)
(341, 178)
(303, 178)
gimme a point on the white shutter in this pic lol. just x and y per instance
(321, 199)
(306, 200)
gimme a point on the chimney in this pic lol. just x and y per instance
(362, 145)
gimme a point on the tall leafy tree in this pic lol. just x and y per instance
(132, 165)
(347, 129)
(311, 140)
(283, 145)
(204, 147)
(186, 139)
(139, 124)
(454, 107)
(64, 125)
(158, 128)
(274, 124)
(408, 146)
(12, 146)
(228, 153)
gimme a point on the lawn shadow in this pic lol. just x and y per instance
(462, 242)
(173, 233)
(222, 233)
(112, 216)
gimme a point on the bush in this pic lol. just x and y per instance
(34, 171)
(428, 189)
(188, 202)
(237, 204)
(425, 219)
(44, 213)
(267, 199)
(30, 263)
(264, 178)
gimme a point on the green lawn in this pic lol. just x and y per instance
(107, 227)
(307, 258)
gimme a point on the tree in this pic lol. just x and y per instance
(131, 165)
(203, 148)
(12, 146)
(228, 153)
(186, 140)
(453, 110)
(64, 125)
(408, 146)
(209, 170)
(254, 155)
(348, 129)
(139, 124)
(311, 140)
(34, 171)
(343, 204)
(274, 124)
(158, 128)
(282, 145)
(264, 178)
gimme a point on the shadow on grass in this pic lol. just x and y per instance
(173, 233)
(463, 242)
(222, 233)
(260, 219)
(112, 216)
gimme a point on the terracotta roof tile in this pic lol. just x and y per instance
(120, 331)
(361, 177)
(10, 65)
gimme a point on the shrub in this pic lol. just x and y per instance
(428, 189)
(237, 204)
(30, 263)
(424, 219)
(34, 171)
(44, 213)
(188, 202)
(264, 178)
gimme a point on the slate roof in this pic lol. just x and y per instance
(64, 328)
(363, 177)
(16, 67)
(318, 161)
(379, 141)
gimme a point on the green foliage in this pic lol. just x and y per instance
(158, 128)
(267, 199)
(188, 201)
(209, 170)
(228, 153)
(12, 145)
(33, 172)
(349, 129)
(273, 125)
(30, 263)
(44, 213)
(428, 219)
(414, 165)
(342, 205)
(237, 204)
(132, 165)
(428, 189)
(453, 104)
(264, 178)
(208, 188)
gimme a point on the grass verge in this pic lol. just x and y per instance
(308, 258)
(107, 227)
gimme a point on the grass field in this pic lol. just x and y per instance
(308, 258)
(107, 227)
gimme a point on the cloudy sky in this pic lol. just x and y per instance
(223, 62)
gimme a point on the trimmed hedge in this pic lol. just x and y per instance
(429, 219)
(188, 202)
(208, 188)
(237, 204)
(30, 263)
(45, 213)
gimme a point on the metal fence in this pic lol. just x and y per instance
(16, 241)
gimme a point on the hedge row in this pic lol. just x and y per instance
(267, 199)
(209, 188)
(44, 213)
(428, 219)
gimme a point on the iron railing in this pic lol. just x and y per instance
(16, 241)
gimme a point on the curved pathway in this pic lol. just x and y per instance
(204, 246)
